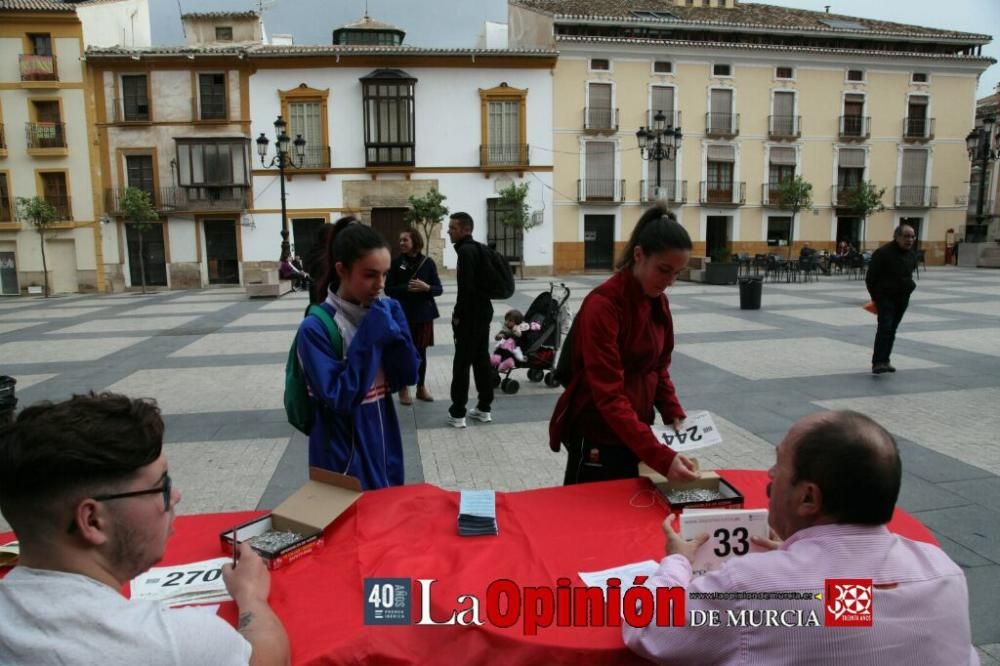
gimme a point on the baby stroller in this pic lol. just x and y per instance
(541, 346)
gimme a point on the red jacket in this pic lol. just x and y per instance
(620, 360)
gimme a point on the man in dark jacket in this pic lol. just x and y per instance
(471, 325)
(890, 283)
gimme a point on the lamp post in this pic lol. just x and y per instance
(659, 142)
(980, 146)
(282, 159)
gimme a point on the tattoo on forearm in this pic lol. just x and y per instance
(245, 620)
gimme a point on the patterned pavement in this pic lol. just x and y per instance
(215, 361)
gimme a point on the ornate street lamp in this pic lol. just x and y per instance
(659, 142)
(980, 146)
(282, 159)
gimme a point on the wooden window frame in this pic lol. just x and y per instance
(305, 94)
(120, 87)
(591, 68)
(668, 63)
(369, 83)
(848, 79)
(13, 222)
(122, 169)
(57, 151)
(778, 77)
(503, 93)
(196, 92)
(40, 190)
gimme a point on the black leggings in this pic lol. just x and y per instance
(597, 462)
(423, 366)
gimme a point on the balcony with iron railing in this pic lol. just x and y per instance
(770, 194)
(855, 128)
(840, 194)
(784, 127)
(207, 198)
(916, 196)
(671, 191)
(316, 157)
(62, 205)
(600, 190)
(38, 68)
(722, 125)
(918, 128)
(503, 155)
(45, 135)
(723, 194)
(163, 199)
(600, 119)
(389, 154)
(673, 117)
(6, 209)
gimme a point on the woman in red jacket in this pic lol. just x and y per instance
(619, 363)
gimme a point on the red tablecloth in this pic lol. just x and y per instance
(410, 532)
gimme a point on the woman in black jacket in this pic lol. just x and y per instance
(413, 281)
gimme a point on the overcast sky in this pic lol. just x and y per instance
(457, 23)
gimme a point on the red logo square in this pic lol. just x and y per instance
(848, 602)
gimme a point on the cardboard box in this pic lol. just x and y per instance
(309, 511)
(731, 498)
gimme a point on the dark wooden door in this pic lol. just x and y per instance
(598, 242)
(390, 222)
(716, 235)
(153, 254)
(305, 232)
(220, 250)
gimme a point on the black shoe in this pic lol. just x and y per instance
(890, 368)
(879, 368)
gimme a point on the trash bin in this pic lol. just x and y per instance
(750, 291)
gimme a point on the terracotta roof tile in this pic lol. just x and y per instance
(36, 6)
(743, 14)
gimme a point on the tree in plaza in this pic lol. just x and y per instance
(41, 214)
(513, 209)
(426, 213)
(138, 210)
(864, 199)
(794, 194)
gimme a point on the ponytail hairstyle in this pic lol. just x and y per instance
(656, 231)
(349, 241)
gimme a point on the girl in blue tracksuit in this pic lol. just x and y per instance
(355, 429)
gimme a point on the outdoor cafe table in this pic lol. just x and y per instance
(411, 532)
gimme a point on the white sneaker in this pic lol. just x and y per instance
(482, 417)
(456, 422)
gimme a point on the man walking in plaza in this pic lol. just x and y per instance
(471, 325)
(84, 483)
(890, 283)
(833, 489)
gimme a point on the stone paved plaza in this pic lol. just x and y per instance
(215, 362)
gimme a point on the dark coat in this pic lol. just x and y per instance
(472, 305)
(418, 306)
(890, 273)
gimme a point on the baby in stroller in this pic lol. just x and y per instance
(507, 352)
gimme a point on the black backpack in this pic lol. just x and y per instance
(497, 280)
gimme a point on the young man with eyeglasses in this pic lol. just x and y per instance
(890, 283)
(84, 484)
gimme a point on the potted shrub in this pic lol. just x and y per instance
(722, 269)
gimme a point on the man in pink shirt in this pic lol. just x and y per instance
(833, 488)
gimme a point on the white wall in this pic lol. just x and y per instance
(448, 134)
(122, 23)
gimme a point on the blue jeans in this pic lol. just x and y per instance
(890, 313)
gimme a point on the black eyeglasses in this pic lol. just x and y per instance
(165, 489)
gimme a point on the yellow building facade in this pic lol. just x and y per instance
(823, 104)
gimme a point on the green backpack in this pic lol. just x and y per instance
(298, 404)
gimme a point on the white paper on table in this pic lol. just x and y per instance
(195, 582)
(729, 532)
(626, 573)
(697, 431)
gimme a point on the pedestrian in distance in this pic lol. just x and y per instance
(356, 429)
(470, 323)
(620, 348)
(890, 283)
(413, 281)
